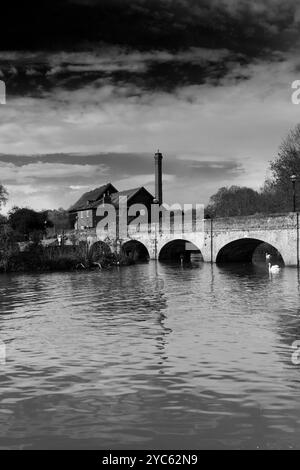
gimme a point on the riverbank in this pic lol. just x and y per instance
(37, 258)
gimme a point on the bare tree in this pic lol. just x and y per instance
(277, 191)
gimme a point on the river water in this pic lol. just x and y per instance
(150, 356)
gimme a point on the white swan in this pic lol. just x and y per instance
(274, 269)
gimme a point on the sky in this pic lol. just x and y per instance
(95, 87)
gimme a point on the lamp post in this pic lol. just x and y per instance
(156, 202)
(293, 179)
(45, 230)
(210, 217)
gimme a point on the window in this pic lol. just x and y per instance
(87, 213)
(81, 214)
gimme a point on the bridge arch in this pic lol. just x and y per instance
(174, 249)
(135, 250)
(248, 250)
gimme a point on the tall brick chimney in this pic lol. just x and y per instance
(158, 177)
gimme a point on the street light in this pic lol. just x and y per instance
(293, 179)
(210, 217)
(156, 202)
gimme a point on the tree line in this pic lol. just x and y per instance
(276, 194)
(26, 223)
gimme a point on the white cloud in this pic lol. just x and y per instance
(46, 185)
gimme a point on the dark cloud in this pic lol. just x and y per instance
(111, 33)
(35, 72)
(120, 165)
(244, 25)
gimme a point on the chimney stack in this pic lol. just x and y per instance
(158, 177)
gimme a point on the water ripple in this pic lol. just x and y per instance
(150, 356)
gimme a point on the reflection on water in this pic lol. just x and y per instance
(150, 356)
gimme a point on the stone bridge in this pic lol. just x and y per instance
(218, 240)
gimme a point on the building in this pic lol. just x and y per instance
(85, 209)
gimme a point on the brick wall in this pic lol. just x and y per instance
(254, 222)
(86, 219)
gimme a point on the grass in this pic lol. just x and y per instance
(37, 258)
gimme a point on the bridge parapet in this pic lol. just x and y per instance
(246, 223)
(165, 229)
(254, 222)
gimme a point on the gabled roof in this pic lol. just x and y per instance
(130, 193)
(92, 198)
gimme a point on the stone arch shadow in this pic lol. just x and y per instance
(135, 250)
(248, 250)
(99, 249)
(176, 248)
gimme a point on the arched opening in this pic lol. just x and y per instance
(135, 250)
(99, 250)
(180, 249)
(248, 250)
